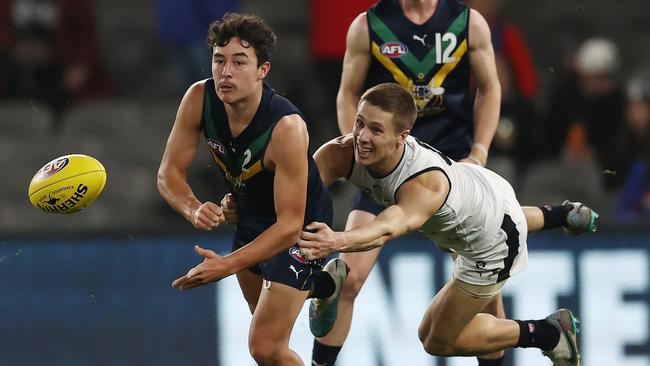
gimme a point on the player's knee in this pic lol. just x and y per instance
(265, 353)
(438, 347)
(433, 343)
(352, 286)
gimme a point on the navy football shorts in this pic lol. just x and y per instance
(287, 267)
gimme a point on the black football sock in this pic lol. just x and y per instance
(324, 285)
(538, 334)
(324, 355)
(555, 216)
(490, 362)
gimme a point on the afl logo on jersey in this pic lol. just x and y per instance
(295, 254)
(393, 49)
(217, 147)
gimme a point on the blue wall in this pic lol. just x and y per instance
(108, 301)
(102, 302)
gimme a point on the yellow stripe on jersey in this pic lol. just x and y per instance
(256, 168)
(219, 162)
(245, 175)
(440, 76)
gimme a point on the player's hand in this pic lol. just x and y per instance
(472, 160)
(207, 216)
(213, 268)
(229, 208)
(318, 241)
(478, 155)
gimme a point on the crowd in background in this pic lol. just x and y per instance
(581, 133)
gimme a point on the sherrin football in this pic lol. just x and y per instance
(67, 184)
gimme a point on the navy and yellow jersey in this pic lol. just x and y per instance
(431, 61)
(240, 160)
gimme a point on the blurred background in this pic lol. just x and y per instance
(105, 78)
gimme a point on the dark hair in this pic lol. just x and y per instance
(395, 99)
(249, 28)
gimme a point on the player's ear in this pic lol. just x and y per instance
(263, 70)
(403, 135)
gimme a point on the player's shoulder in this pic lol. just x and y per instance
(335, 157)
(477, 23)
(198, 88)
(359, 24)
(195, 94)
(290, 122)
(289, 129)
(340, 146)
(191, 106)
(344, 141)
(289, 141)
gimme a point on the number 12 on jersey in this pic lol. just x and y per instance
(450, 40)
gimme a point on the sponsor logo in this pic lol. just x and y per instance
(420, 39)
(51, 204)
(52, 200)
(393, 49)
(297, 272)
(217, 147)
(295, 253)
(52, 168)
(480, 264)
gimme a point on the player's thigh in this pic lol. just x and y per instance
(495, 306)
(251, 285)
(275, 314)
(448, 314)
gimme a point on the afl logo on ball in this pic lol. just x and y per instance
(217, 147)
(52, 168)
(295, 253)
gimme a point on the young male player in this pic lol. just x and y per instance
(463, 208)
(259, 141)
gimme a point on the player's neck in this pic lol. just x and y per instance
(241, 113)
(418, 11)
(386, 166)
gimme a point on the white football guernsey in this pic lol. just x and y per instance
(481, 219)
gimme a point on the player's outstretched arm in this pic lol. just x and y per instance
(488, 97)
(355, 66)
(179, 152)
(213, 268)
(417, 200)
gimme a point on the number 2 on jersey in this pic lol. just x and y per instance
(247, 159)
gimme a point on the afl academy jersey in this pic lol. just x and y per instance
(241, 162)
(431, 61)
